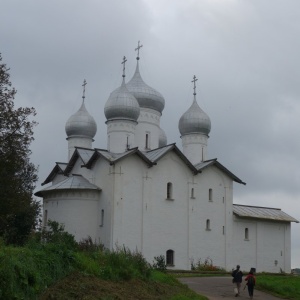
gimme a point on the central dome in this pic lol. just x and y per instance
(121, 104)
(146, 96)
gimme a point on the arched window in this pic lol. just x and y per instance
(170, 258)
(207, 224)
(169, 190)
(210, 195)
(246, 234)
(147, 141)
(192, 193)
(102, 218)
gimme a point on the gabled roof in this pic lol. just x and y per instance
(156, 154)
(112, 158)
(89, 156)
(83, 153)
(202, 165)
(265, 213)
(58, 169)
(73, 182)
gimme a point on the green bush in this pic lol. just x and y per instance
(159, 263)
(47, 257)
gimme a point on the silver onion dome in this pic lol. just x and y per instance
(194, 120)
(162, 140)
(146, 96)
(81, 124)
(121, 104)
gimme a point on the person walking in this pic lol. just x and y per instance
(251, 280)
(237, 275)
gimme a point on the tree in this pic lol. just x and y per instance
(18, 209)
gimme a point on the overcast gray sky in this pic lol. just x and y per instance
(245, 54)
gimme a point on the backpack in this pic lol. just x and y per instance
(251, 280)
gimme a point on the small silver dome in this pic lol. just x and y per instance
(121, 104)
(81, 124)
(194, 120)
(146, 96)
(162, 141)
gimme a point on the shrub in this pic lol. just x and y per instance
(207, 265)
(159, 263)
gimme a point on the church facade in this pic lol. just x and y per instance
(152, 197)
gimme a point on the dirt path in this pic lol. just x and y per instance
(220, 288)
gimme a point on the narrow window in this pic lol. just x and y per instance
(207, 224)
(169, 190)
(192, 193)
(147, 141)
(127, 143)
(102, 218)
(223, 199)
(223, 230)
(246, 234)
(170, 258)
(210, 195)
(45, 218)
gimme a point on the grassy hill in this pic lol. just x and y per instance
(53, 266)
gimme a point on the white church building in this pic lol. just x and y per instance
(150, 196)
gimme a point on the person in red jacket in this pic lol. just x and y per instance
(250, 283)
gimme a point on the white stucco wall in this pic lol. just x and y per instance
(120, 135)
(268, 246)
(148, 123)
(77, 210)
(194, 147)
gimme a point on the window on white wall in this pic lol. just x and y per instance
(208, 224)
(102, 218)
(192, 193)
(246, 234)
(147, 140)
(169, 190)
(170, 258)
(210, 195)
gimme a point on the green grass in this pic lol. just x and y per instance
(285, 286)
(54, 271)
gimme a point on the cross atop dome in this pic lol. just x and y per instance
(138, 50)
(83, 94)
(123, 63)
(194, 81)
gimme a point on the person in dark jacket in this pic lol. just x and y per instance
(250, 283)
(237, 275)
